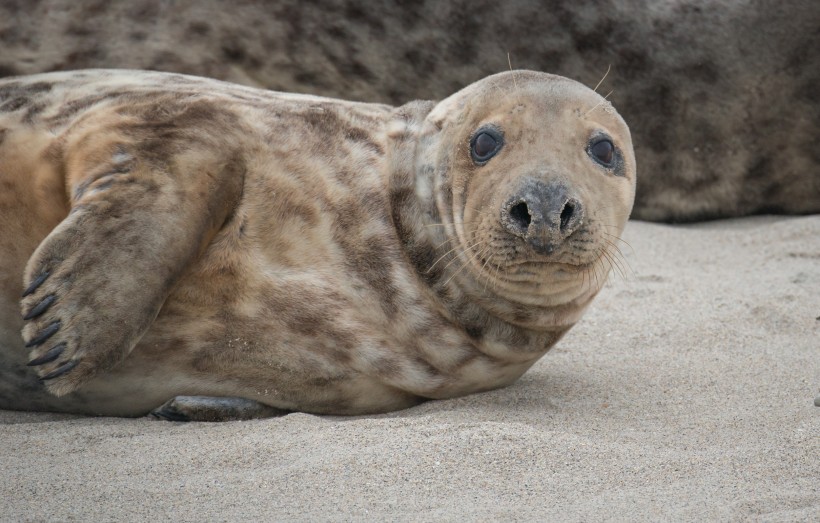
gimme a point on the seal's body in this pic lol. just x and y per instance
(173, 235)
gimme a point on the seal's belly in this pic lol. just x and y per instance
(319, 339)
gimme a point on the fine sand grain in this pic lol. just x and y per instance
(686, 393)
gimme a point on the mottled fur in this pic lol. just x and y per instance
(721, 96)
(186, 236)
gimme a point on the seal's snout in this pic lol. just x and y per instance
(542, 214)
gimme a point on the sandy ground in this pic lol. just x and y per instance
(686, 393)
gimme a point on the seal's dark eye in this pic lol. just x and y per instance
(485, 144)
(603, 152)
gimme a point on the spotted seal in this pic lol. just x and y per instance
(175, 236)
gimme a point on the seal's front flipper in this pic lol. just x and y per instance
(98, 281)
(204, 408)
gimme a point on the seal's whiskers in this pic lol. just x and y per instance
(464, 265)
(515, 82)
(608, 67)
(599, 103)
(454, 258)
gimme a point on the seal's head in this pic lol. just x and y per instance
(526, 181)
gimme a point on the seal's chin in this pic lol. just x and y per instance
(574, 268)
(519, 268)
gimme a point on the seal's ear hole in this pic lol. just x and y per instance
(486, 142)
(602, 151)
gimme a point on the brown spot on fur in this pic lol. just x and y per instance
(421, 253)
(429, 369)
(304, 317)
(74, 60)
(78, 30)
(702, 71)
(14, 104)
(634, 62)
(658, 136)
(475, 331)
(361, 136)
(368, 257)
(70, 109)
(359, 13)
(109, 178)
(387, 367)
(32, 112)
(400, 201)
(324, 121)
(595, 39)
(760, 169)
(163, 124)
(516, 337)
(356, 68)
(233, 51)
(311, 78)
(301, 210)
(142, 11)
(166, 60)
(312, 316)
(419, 60)
(27, 89)
(18, 95)
(7, 70)
(199, 28)
(374, 264)
(54, 154)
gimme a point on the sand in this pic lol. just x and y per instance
(686, 393)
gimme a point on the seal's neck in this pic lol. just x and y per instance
(429, 239)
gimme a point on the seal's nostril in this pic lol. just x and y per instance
(520, 214)
(566, 214)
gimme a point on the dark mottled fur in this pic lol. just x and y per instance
(717, 132)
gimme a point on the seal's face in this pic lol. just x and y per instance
(535, 178)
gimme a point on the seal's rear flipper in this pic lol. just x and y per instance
(205, 408)
(141, 213)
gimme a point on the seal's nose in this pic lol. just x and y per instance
(542, 213)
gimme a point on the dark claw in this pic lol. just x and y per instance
(59, 371)
(36, 283)
(40, 307)
(44, 334)
(52, 354)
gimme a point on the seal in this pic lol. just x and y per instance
(176, 237)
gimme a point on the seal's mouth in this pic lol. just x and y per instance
(532, 267)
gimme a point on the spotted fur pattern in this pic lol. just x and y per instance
(173, 235)
(721, 96)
